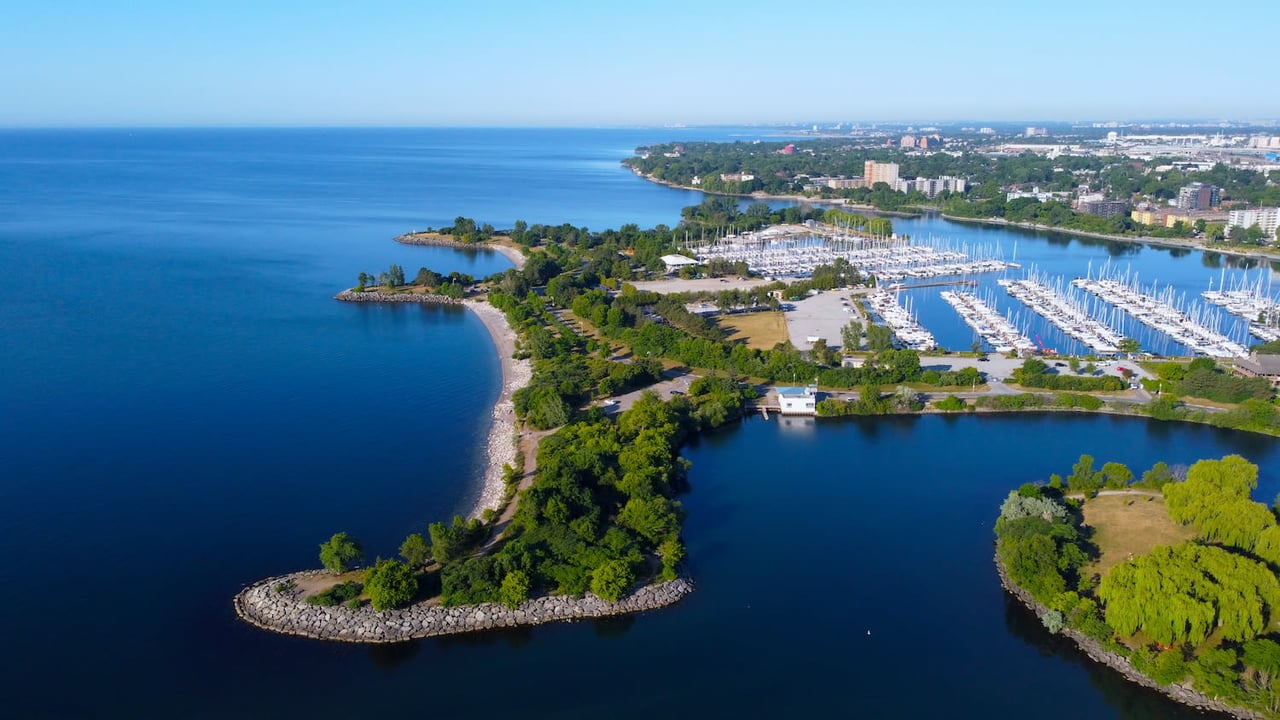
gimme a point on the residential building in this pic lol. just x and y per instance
(1036, 193)
(1198, 196)
(907, 141)
(1265, 218)
(1146, 217)
(1037, 132)
(875, 172)
(1098, 205)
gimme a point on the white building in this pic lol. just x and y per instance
(798, 400)
(675, 262)
(1265, 218)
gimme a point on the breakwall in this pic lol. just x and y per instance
(369, 296)
(1097, 653)
(263, 606)
(437, 241)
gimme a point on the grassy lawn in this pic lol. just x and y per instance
(1129, 524)
(760, 330)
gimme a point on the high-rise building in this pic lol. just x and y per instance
(1265, 218)
(876, 172)
(907, 141)
(1198, 196)
(1037, 132)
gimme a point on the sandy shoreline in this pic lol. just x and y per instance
(503, 441)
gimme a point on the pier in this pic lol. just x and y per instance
(1157, 311)
(1068, 315)
(1252, 303)
(900, 320)
(788, 252)
(999, 332)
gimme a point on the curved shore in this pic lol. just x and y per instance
(504, 440)
(1097, 653)
(273, 604)
(516, 257)
(1197, 245)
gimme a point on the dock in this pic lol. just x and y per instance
(999, 332)
(1068, 315)
(1158, 311)
(901, 320)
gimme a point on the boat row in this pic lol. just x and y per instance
(887, 259)
(999, 332)
(901, 320)
(1250, 302)
(1067, 314)
(1158, 310)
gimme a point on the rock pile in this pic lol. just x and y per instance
(377, 297)
(1094, 650)
(283, 610)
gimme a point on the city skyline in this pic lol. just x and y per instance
(566, 63)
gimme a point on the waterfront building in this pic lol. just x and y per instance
(1265, 218)
(1198, 196)
(798, 400)
(675, 262)
(1097, 205)
(1146, 217)
(1267, 366)
(1035, 192)
(875, 172)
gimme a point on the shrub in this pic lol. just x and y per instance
(390, 584)
(1053, 621)
(340, 593)
(611, 580)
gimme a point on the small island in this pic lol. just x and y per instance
(1169, 579)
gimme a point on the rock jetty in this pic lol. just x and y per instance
(435, 240)
(1097, 653)
(274, 604)
(371, 296)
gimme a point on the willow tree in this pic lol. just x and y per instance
(1215, 500)
(1181, 594)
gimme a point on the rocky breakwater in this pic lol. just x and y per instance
(1099, 654)
(372, 296)
(435, 240)
(271, 605)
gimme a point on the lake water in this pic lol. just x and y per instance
(186, 410)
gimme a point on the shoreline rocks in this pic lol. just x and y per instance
(369, 296)
(1097, 653)
(265, 607)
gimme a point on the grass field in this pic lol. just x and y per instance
(1129, 524)
(760, 330)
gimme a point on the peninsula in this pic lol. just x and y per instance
(1169, 579)
(605, 376)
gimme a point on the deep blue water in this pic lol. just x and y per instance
(184, 409)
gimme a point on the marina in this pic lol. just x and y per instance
(1248, 301)
(794, 251)
(999, 332)
(1069, 314)
(901, 320)
(1158, 309)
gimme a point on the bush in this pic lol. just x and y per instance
(390, 584)
(1053, 621)
(951, 404)
(515, 589)
(338, 594)
(611, 580)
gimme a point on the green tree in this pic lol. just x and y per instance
(851, 336)
(390, 584)
(612, 579)
(415, 550)
(515, 589)
(1129, 346)
(340, 553)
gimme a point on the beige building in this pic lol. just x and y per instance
(875, 172)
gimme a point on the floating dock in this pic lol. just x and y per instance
(1069, 316)
(999, 332)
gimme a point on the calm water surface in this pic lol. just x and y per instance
(186, 410)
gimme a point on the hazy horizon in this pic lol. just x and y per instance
(397, 63)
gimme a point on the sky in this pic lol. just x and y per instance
(568, 63)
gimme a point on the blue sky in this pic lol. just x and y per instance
(488, 62)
